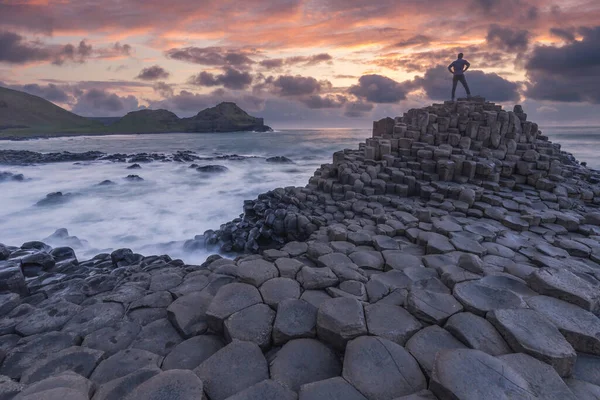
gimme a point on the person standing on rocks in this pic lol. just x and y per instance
(458, 69)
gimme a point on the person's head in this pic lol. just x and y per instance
(460, 55)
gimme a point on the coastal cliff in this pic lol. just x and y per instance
(457, 236)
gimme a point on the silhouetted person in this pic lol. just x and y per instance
(458, 69)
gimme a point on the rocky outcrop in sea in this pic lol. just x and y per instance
(454, 255)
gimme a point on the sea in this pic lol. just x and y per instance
(174, 202)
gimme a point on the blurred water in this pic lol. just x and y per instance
(172, 204)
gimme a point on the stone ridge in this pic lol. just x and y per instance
(398, 272)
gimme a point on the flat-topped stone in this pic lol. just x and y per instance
(381, 369)
(425, 345)
(229, 299)
(528, 331)
(391, 322)
(252, 324)
(329, 389)
(480, 299)
(432, 307)
(477, 333)
(340, 320)
(565, 285)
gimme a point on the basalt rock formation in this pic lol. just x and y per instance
(454, 255)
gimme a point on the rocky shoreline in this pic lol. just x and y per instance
(457, 237)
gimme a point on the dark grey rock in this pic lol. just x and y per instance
(158, 337)
(94, 317)
(77, 359)
(288, 267)
(124, 363)
(542, 378)
(583, 390)
(477, 333)
(479, 299)
(188, 313)
(565, 285)
(587, 368)
(368, 259)
(50, 318)
(432, 307)
(192, 352)
(473, 374)
(316, 278)
(330, 389)
(581, 328)
(34, 349)
(168, 385)
(302, 361)
(295, 319)
(391, 322)
(398, 259)
(381, 369)
(232, 369)
(340, 320)
(256, 272)
(425, 345)
(121, 387)
(276, 290)
(113, 338)
(527, 331)
(229, 299)
(265, 390)
(66, 380)
(252, 324)
(8, 301)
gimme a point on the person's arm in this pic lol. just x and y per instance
(468, 64)
(450, 68)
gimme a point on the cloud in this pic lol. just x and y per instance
(165, 90)
(568, 35)
(187, 103)
(212, 56)
(379, 89)
(327, 101)
(569, 73)
(153, 73)
(16, 49)
(288, 85)
(230, 79)
(306, 61)
(50, 92)
(357, 109)
(98, 102)
(418, 40)
(508, 39)
(437, 84)
(75, 54)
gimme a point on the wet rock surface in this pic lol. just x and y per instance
(455, 254)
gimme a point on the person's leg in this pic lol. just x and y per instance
(454, 83)
(463, 80)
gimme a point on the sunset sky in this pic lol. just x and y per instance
(303, 63)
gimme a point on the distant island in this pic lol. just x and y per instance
(23, 115)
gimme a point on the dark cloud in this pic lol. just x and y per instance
(74, 54)
(164, 89)
(212, 56)
(288, 85)
(98, 102)
(328, 101)
(568, 35)
(437, 84)
(16, 49)
(230, 78)
(275, 63)
(508, 39)
(153, 73)
(357, 109)
(569, 73)
(418, 40)
(379, 89)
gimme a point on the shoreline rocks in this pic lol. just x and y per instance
(458, 236)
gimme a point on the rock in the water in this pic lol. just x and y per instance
(232, 369)
(211, 169)
(381, 369)
(529, 332)
(302, 361)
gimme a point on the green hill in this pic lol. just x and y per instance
(22, 114)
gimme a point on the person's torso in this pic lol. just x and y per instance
(459, 66)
